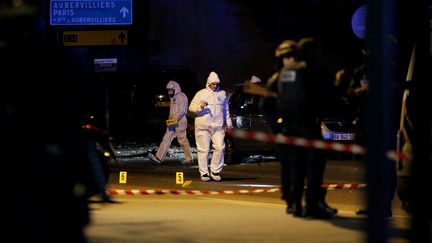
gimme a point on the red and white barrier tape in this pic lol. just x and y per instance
(342, 186)
(129, 192)
(186, 192)
(298, 141)
(309, 143)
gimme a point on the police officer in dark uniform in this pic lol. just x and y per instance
(320, 100)
(286, 49)
(293, 113)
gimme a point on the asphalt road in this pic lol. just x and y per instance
(244, 207)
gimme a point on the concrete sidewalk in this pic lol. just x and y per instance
(221, 219)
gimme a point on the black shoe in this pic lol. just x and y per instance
(361, 212)
(289, 209)
(365, 212)
(334, 210)
(319, 211)
(298, 210)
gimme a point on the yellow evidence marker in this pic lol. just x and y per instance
(186, 184)
(179, 178)
(172, 122)
(122, 177)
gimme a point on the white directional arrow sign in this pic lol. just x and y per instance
(124, 11)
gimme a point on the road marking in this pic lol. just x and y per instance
(245, 203)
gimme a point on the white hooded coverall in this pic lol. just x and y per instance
(178, 110)
(210, 124)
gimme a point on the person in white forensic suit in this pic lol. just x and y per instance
(212, 121)
(176, 125)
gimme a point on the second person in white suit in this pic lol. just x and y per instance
(177, 113)
(210, 105)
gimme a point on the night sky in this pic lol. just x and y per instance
(238, 38)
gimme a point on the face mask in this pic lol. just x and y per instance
(214, 86)
(171, 92)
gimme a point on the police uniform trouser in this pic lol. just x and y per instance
(302, 165)
(315, 171)
(284, 152)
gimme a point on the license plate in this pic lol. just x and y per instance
(343, 136)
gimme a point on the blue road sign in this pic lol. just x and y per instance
(90, 12)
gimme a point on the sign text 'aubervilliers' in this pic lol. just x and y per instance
(82, 12)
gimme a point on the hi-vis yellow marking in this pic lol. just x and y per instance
(179, 178)
(122, 177)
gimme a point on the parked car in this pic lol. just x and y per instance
(414, 135)
(338, 129)
(405, 138)
(404, 147)
(245, 114)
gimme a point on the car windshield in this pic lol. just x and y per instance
(242, 102)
